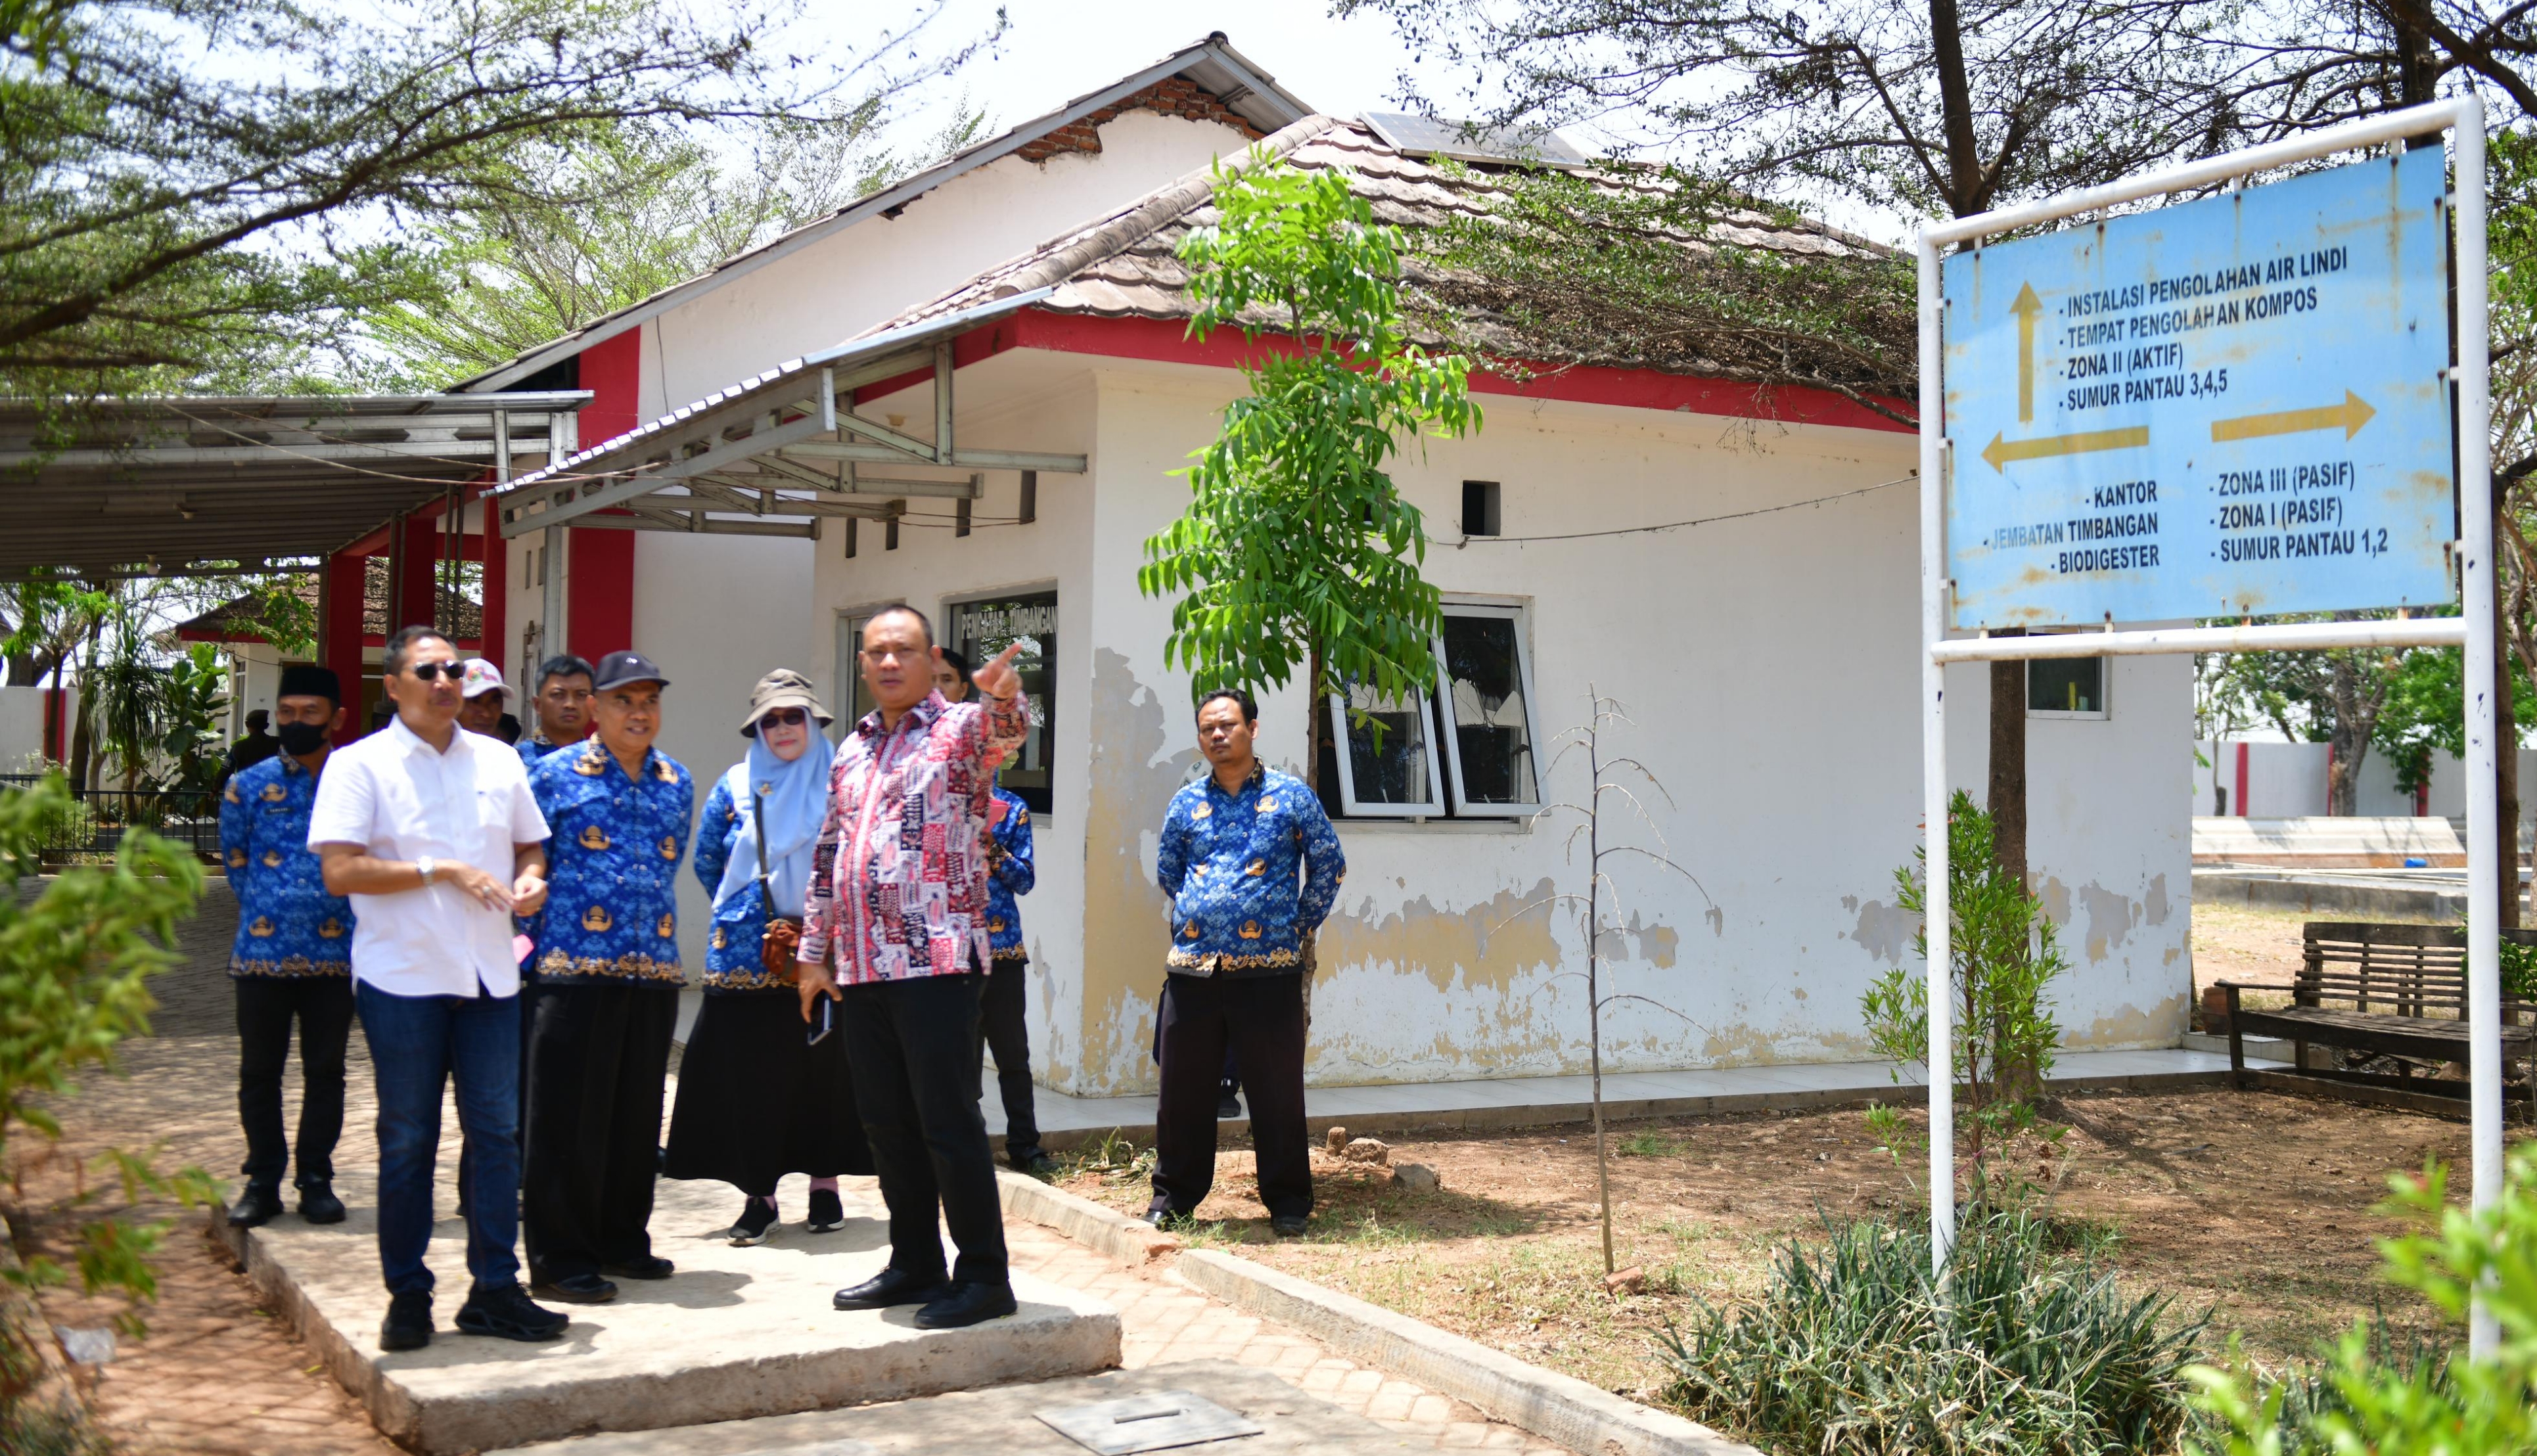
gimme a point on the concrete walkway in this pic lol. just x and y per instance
(1534, 1101)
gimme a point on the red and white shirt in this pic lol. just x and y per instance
(899, 884)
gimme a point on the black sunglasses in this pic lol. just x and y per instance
(785, 717)
(426, 671)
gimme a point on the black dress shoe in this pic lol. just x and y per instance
(967, 1304)
(577, 1288)
(319, 1205)
(506, 1313)
(1227, 1107)
(258, 1206)
(893, 1286)
(1289, 1225)
(650, 1266)
(409, 1322)
(1032, 1160)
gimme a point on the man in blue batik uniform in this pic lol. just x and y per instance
(617, 812)
(1001, 1023)
(1253, 867)
(292, 960)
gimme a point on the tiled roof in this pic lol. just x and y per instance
(1124, 264)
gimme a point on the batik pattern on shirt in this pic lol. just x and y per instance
(288, 924)
(1010, 872)
(731, 956)
(901, 884)
(1231, 864)
(612, 912)
(534, 750)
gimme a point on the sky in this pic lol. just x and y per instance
(1056, 50)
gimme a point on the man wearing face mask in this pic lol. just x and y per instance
(292, 960)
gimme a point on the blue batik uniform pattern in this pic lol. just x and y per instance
(288, 924)
(731, 960)
(534, 752)
(611, 914)
(1010, 872)
(1231, 863)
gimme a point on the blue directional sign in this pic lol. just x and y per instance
(2228, 407)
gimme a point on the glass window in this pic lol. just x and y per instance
(1487, 705)
(854, 699)
(1389, 767)
(2066, 688)
(981, 630)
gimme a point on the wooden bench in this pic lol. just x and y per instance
(2393, 990)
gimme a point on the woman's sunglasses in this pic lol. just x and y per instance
(786, 717)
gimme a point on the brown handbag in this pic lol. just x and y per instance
(776, 951)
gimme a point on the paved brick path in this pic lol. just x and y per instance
(220, 1376)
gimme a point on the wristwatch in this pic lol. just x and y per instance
(424, 863)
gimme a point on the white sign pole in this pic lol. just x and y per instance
(2483, 835)
(1933, 767)
(2463, 117)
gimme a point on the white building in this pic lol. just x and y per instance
(1768, 661)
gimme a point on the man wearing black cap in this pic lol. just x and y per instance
(291, 959)
(618, 811)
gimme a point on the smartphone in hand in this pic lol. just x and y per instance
(823, 1020)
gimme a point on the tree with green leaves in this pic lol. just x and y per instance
(1947, 107)
(1296, 551)
(203, 192)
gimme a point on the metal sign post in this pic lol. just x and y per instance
(2228, 407)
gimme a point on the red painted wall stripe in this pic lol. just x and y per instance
(599, 614)
(1168, 341)
(2242, 782)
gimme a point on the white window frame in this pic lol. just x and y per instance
(1354, 807)
(2104, 692)
(1463, 806)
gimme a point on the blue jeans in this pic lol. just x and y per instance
(417, 1042)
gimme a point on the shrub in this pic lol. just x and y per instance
(2005, 953)
(2367, 1397)
(74, 963)
(1853, 1347)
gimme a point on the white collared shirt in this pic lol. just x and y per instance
(395, 794)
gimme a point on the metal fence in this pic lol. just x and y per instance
(99, 818)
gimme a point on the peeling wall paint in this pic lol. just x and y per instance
(1791, 805)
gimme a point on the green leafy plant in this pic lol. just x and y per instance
(194, 700)
(75, 962)
(1854, 1345)
(2005, 952)
(1296, 549)
(2366, 1398)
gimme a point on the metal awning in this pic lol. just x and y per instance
(774, 454)
(158, 485)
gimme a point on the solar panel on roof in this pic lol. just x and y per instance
(1434, 137)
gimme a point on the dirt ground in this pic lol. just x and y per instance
(2256, 1207)
(2251, 947)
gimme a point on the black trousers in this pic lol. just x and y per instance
(597, 1061)
(912, 1050)
(266, 1007)
(1262, 1018)
(1004, 1030)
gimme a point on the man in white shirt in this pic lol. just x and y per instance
(433, 833)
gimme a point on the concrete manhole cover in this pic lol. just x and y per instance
(1149, 1423)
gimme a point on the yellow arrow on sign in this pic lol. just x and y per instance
(2347, 416)
(2000, 452)
(2028, 310)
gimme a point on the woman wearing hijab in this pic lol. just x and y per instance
(757, 1099)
